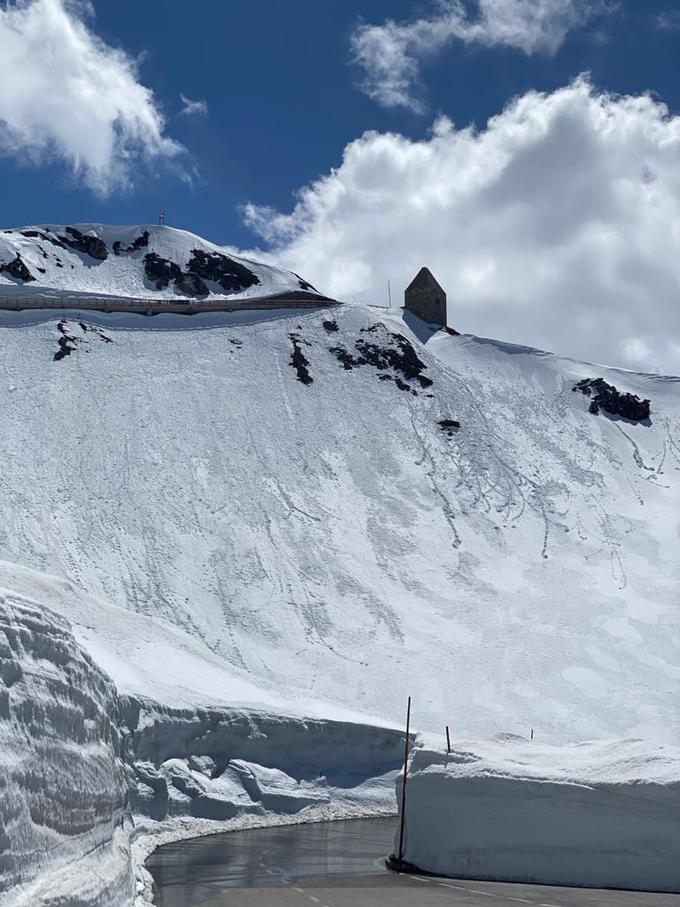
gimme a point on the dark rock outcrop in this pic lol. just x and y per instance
(141, 242)
(299, 361)
(231, 275)
(449, 426)
(214, 266)
(87, 245)
(17, 269)
(305, 285)
(606, 397)
(397, 356)
(46, 237)
(160, 271)
(67, 342)
(331, 325)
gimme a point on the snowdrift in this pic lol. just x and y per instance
(134, 262)
(601, 815)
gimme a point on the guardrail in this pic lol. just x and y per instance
(169, 306)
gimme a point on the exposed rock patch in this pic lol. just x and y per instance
(397, 359)
(17, 269)
(449, 426)
(87, 245)
(606, 397)
(214, 266)
(299, 361)
(93, 329)
(160, 271)
(231, 275)
(331, 325)
(304, 285)
(67, 342)
(47, 237)
(141, 242)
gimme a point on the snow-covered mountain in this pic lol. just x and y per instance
(140, 262)
(267, 528)
(342, 515)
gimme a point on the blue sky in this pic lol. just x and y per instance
(282, 102)
(282, 99)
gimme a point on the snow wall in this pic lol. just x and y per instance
(600, 815)
(217, 763)
(63, 785)
(77, 760)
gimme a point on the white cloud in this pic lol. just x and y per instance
(637, 351)
(390, 54)
(193, 108)
(556, 226)
(66, 94)
(668, 20)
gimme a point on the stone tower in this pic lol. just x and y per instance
(426, 299)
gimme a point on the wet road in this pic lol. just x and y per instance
(338, 864)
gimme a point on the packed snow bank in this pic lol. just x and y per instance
(63, 786)
(213, 764)
(601, 815)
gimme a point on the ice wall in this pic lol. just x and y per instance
(63, 784)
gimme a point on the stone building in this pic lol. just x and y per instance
(426, 299)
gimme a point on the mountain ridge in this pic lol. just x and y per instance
(139, 261)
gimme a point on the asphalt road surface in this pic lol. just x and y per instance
(338, 864)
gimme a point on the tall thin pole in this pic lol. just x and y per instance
(389, 294)
(403, 789)
(448, 741)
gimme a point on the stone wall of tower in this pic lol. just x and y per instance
(427, 303)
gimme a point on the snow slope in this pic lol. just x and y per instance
(140, 262)
(601, 815)
(329, 540)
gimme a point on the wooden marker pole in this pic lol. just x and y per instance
(448, 741)
(403, 789)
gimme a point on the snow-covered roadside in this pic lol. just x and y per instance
(598, 814)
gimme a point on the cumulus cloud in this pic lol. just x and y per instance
(556, 226)
(390, 54)
(193, 108)
(67, 94)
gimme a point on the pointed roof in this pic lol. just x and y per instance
(424, 280)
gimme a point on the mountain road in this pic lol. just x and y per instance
(338, 864)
